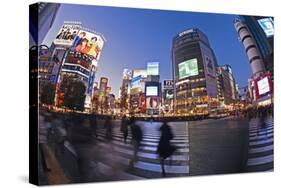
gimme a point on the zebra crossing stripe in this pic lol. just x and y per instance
(144, 147)
(261, 145)
(261, 133)
(261, 142)
(148, 151)
(260, 160)
(184, 169)
(261, 149)
(260, 129)
(260, 137)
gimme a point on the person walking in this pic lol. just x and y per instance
(108, 127)
(137, 135)
(124, 128)
(165, 149)
(94, 125)
(43, 141)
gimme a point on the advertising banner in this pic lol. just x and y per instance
(267, 25)
(138, 72)
(74, 57)
(127, 74)
(263, 85)
(151, 91)
(152, 102)
(88, 43)
(142, 103)
(66, 34)
(168, 84)
(91, 83)
(210, 67)
(188, 68)
(153, 68)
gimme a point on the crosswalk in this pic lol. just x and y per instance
(119, 154)
(260, 149)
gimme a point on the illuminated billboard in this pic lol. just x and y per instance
(267, 25)
(88, 43)
(188, 68)
(152, 102)
(135, 82)
(74, 57)
(263, 86)
(151, 91)
(127, 74)
(67, 34)
(168, 94)
(153, 68)
(168, 84)
(210, 67)
(138, 72)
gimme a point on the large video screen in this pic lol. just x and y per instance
(263, 86)
(151, 91)
(188, 68)
(267, 25)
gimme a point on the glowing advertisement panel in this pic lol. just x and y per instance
(66, 34)
(188, 68)
(152, 102)
(267, 25)
(153, 68)
(135, 82)
(88, 43)
(263, 86)
(138, 72)
(151, 91)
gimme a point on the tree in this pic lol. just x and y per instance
(74, 94)
(48, 94)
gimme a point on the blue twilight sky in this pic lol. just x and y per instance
(135, 36)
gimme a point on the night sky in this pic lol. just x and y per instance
(136, 36)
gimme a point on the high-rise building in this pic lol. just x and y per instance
(78, 63)
(226, 85)
(124, 91)
(194, 73)
(251, 48)
(256, 34)
(262, 31)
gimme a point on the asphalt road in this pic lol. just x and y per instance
(203, 148)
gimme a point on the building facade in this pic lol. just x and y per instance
(226, 85)
(194, 73)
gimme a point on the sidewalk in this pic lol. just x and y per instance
(56, 174)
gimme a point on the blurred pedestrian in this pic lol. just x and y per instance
(136, 138)
(108, 127)
(94, 125)
(165, 149)
(124, 128)
(43, 133)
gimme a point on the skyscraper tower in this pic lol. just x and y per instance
(194, 73)
(255, 59)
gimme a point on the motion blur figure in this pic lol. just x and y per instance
(94, 124)
(108, 127)
(136, 138)
(124, 128)
(165, 149)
